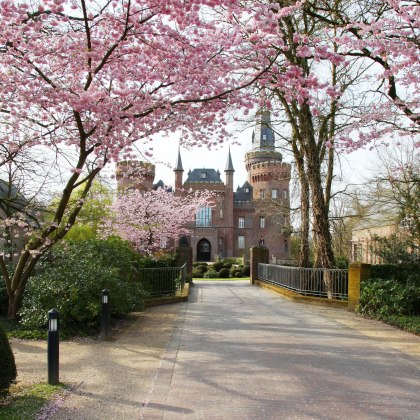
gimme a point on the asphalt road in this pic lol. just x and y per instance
(241, 352)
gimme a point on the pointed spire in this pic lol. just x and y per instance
(178, 163)
(229, 164)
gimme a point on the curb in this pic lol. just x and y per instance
(168, 300)
(296, 297)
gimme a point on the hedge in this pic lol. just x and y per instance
(7, 364)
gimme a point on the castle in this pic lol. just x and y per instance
(258, 213)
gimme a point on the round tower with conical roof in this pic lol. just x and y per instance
(134, 174)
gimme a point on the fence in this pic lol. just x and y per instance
(320, 282)
(163, 281)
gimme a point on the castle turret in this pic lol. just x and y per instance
(269, 178)
(229, 172)
(134, 174)
(179, 170)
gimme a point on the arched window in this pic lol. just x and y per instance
(262, 222)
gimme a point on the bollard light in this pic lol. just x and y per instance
(105, 315)
(53, 347)
(104, 296)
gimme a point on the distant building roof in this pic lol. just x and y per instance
(204, 175)
(160, 184)
(243, 194)
(11, 199)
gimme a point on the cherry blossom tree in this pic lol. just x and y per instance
(150, 220)
(88, 79)
(338, 80)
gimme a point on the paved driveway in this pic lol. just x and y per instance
(241, 352)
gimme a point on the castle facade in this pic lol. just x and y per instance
(257, 213)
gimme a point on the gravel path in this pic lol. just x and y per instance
(110, 380)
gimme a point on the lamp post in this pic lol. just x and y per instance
(53, 347)
(105, 315)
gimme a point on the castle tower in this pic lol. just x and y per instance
(134, 174)
(269, 178)
(178, 170)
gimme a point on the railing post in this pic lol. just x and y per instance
(259, 254)
(357, 273)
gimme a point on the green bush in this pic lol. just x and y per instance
(7, 363)
(211, 274)
(398, 272)
(238, 274)
(235, 270)
(203, 267)
(71, 277)
(342, 262)
(382, 298)
(197, 274)
(4, 300)
(218, 265)
(227, 265)
(224, 273)
(246, 271)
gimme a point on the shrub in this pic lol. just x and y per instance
(235, 270)
(224, 273)
(198, 274)
(342, 262)
(4, 300)
(203, 267)
(227, 265)
(238, 274)
(398, 272)
(218, 265)
(246, 271)
(7, 364)
(211, 274)
(383, 298)
(71, 277)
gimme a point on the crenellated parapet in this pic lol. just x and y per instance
(133, 174)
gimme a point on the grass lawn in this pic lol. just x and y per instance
(405, 322)
(26, 402)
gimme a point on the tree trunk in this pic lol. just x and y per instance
(304, 208)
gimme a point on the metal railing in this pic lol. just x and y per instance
(163, 281)
(320, 282)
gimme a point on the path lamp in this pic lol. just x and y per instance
(53, 347)
(105, 315)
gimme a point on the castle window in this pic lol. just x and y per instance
(163, 241)
(264, 137)
(203, 217)
(241, 242)
(262, 222)
(285, 194)
(262, 193)
(246, 189)
(221, 211)
(241, 222)
(203, 175)
(274, 193)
